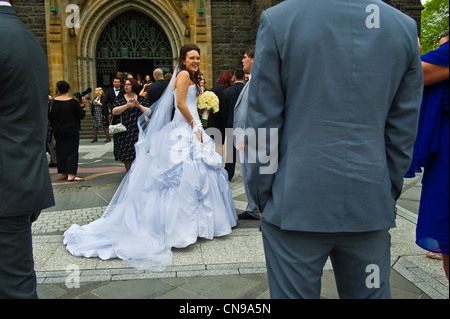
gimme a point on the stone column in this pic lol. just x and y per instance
(200, 26)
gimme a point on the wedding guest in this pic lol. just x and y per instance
(202, 82)
(239, 123)
(168, 76)
(65, 116)
(431, 151)
(50, 143)
(155, 90)
(140, 80)
(148, 79)
(100, 115)
(126, 109)
(25, 186)
(345, 126)
(230, 96)
(113, 93)
(216, 120)
(143, 92)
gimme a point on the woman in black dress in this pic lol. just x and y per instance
(126, 109)
(65, 115)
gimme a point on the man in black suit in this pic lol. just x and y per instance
(25, 185)
(156, 89)
(230, 96)
(113, 93)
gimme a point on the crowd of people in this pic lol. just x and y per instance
(348, 131)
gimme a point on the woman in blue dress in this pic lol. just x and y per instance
(431, 151)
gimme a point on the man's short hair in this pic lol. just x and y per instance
(250, 51)
(239, 74)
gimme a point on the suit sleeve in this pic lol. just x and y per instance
(402, 122)
(265, 111)
(105, 111)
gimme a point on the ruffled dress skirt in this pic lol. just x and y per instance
(171, 196)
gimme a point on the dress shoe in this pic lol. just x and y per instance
(246, 215)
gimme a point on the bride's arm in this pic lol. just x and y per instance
(182, 85)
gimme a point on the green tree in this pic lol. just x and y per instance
(434, 23)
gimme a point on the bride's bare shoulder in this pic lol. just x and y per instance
(183, 77)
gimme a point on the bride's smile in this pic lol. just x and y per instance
(192, 61)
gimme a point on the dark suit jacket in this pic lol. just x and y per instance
(155, 91)
(216, 120)
(230, 96)
(25, 184)
(110, 97)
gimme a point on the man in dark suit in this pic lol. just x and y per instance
(112, 94)
(344, 111)
(25, 186)
(156, 89)
(230, 96)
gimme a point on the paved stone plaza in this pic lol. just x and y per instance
(229, 267)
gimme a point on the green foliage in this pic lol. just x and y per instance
(434, 23)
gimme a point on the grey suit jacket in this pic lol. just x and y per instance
(345, 98)
(240, 114)
(25, 184)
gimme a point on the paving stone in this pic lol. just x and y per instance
(229, 267)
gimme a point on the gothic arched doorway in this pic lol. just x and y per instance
(132, 42)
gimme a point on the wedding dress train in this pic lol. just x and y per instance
(175, 192)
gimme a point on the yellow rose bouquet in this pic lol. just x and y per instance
(207, 103)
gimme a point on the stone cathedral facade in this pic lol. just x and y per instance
(88, 41)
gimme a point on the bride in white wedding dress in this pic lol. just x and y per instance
(176, 190)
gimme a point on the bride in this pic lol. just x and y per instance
(176, 190)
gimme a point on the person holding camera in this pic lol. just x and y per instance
(65, 115)
(126, 110)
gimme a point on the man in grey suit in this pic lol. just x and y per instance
(341, 81)
(25, 186)
(240, 113)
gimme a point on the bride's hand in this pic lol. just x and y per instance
(197, 129)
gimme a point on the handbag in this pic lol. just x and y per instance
(117, 128)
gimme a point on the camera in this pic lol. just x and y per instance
(80, 94)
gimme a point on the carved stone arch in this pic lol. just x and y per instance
(94, 18)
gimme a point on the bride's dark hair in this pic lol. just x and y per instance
(194, 77)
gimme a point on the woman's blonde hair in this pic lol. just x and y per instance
(101, 91)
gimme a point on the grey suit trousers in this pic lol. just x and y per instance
(295, 261)
(252, 208)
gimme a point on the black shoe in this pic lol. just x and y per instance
(94, 141)
(107, 141)
(246, 215)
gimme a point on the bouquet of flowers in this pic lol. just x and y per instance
(207, 103)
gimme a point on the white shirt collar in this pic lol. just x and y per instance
(4, 3)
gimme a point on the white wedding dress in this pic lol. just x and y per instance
(175, 192)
